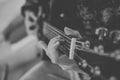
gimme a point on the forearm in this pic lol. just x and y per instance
(20, 53)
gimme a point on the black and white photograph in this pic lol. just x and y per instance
(59, 39)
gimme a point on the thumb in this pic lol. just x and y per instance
(71, 32)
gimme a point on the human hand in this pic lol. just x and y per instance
(52, 49)
(54, 43)
(62, 60)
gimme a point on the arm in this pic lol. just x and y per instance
(19, 53)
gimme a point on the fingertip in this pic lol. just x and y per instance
(42, 44)
(58, 36)
(57, 44)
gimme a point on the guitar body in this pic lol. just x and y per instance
(108, 66)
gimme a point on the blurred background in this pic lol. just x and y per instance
(9, 10)
(14, 41)
(19, 51)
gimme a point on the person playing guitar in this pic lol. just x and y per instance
(57, 18)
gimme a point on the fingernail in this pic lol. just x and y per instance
(59, 36)
(58, 42)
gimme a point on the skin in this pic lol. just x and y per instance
(52, 51)
(60, 65)
(30, 20)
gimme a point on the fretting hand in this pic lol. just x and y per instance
(56, 57)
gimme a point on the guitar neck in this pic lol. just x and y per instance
(50, 32)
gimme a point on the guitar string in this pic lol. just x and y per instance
(61, 33)
(68, 40)
(52, 30)
(53, 34)
(78, 47)
(50, 36)
(66, 37)
(76, 55)
(93, 52)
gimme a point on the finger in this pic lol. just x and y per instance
(55, 39)
(60, 41)
(56, 45)
(42, 44)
